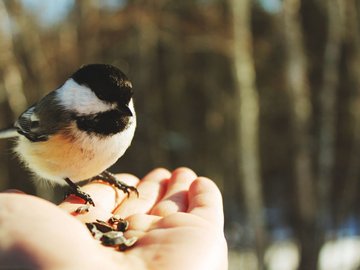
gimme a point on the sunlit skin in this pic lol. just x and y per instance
(178, 219)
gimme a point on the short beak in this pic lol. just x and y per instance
(126, 110)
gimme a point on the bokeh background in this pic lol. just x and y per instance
(262, 96)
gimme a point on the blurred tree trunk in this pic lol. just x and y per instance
(147, 77)
(351, 189)
(172, 49)
(88, 21)
(30, 47)
(334, 9)
(11, 79)
(248, 121)
(11, 88)
(296, 74)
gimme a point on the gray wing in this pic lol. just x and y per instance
(28, 125)
(43, 119)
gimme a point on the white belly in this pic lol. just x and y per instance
(77, 157)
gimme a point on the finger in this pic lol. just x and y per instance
(205, 201)
(142, 222)
(151, 189)
(105, 197)
(175, 199)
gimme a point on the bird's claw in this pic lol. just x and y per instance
(127, 189)
(81, 194)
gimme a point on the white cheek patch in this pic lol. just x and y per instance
(81, 99)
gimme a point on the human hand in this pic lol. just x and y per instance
(178, 219)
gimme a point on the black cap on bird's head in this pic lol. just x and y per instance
(108, 83)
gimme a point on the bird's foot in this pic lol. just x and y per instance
(114, 181)
(75, 190)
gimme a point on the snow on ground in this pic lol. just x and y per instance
(339, 254)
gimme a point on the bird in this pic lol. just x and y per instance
(77, 131)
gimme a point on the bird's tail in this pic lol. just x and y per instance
(8, 133)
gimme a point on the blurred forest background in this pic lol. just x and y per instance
(263, 96)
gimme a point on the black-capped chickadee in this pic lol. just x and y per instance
(79, 130)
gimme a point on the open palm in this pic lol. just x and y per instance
(178, 219)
